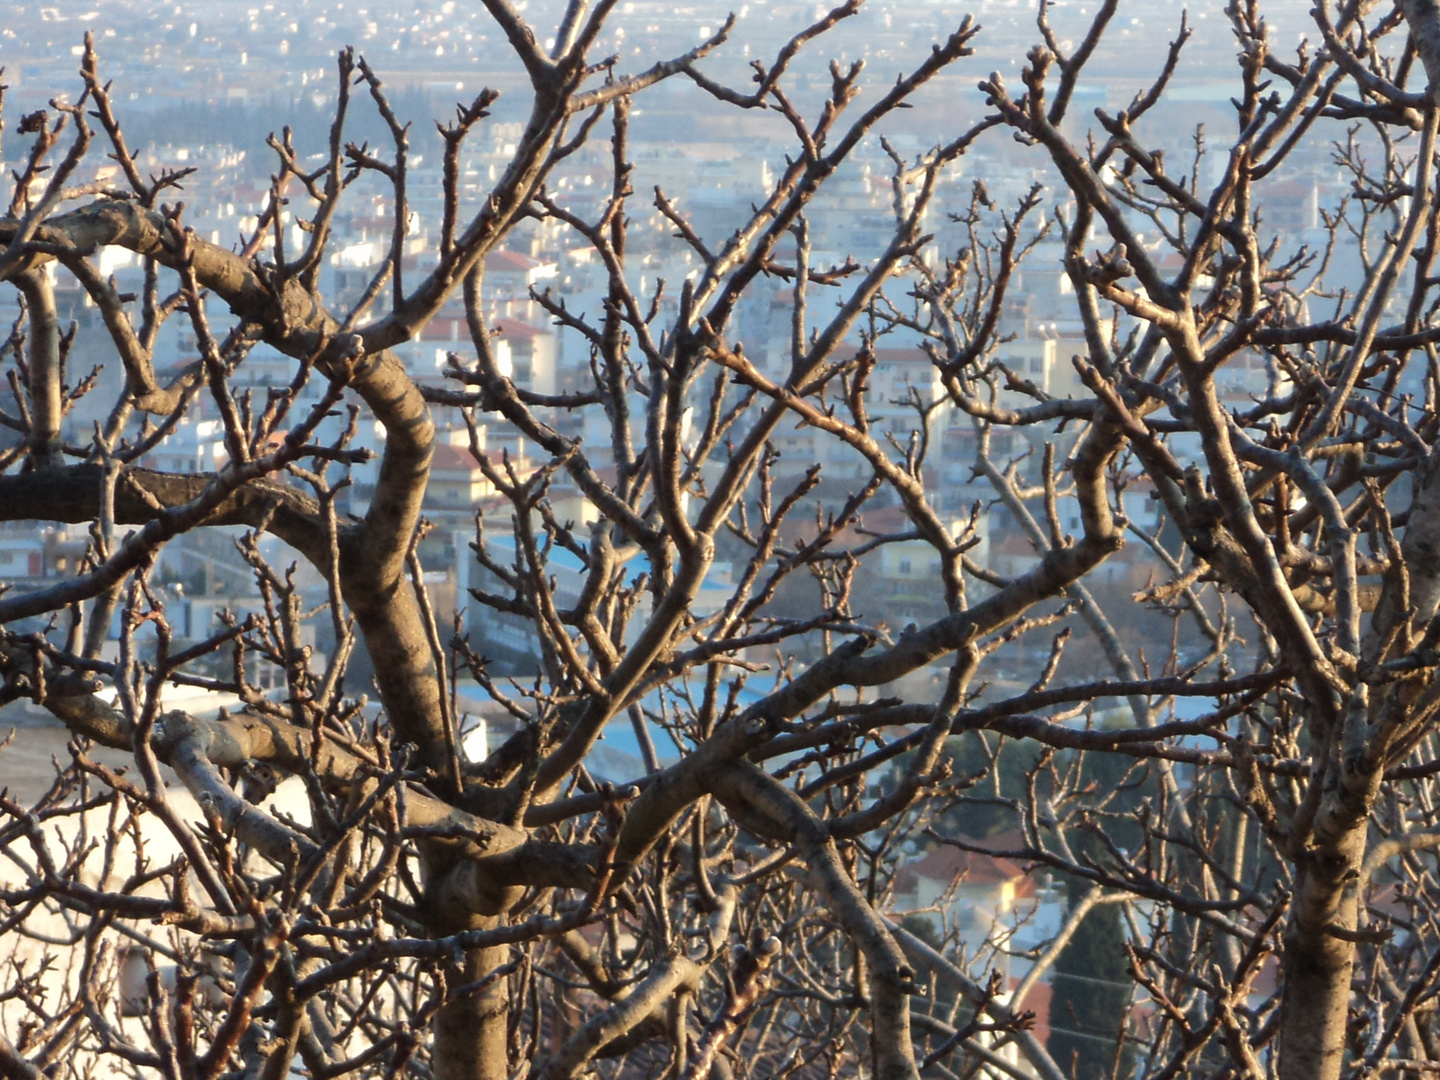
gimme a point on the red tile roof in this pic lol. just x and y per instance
(505, 260)
(945, 864)
(451, 458)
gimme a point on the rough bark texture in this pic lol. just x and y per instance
(731, 904)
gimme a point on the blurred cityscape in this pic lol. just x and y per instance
(200, 85)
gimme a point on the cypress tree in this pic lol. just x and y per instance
(1091, 988)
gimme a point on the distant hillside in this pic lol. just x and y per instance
(245, 124)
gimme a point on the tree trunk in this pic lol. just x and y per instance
(1317, 964)
(46, 410)
(471, 1034)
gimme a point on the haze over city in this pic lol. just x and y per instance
(935, 555)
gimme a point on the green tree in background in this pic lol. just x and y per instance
(1091, 996)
